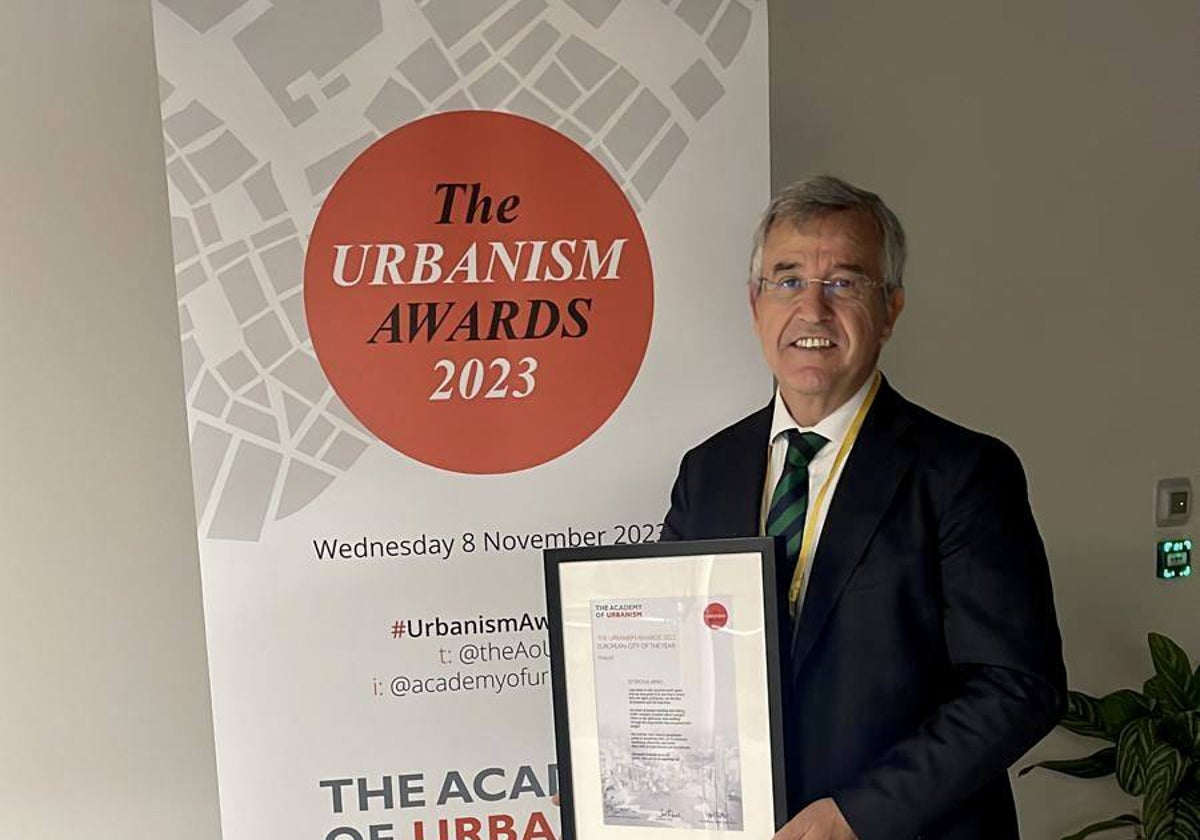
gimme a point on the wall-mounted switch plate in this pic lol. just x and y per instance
(1173, 502)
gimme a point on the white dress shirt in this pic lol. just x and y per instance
(834, 428)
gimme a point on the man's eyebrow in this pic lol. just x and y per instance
(791, 265)
(855, 267)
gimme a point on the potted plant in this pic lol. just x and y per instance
(1154, 738)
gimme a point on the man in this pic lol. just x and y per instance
(921, 652)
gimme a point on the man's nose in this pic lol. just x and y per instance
(811, 304)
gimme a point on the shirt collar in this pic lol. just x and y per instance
(833, 428)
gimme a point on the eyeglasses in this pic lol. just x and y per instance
(842, 286)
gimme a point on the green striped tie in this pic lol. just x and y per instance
(789, 502)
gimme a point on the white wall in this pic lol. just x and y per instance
(105, 720)
(1043, 158)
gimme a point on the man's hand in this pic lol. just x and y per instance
(820, 820)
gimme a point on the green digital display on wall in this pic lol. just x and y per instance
(1175, 558)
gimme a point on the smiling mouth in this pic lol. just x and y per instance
(813, 343)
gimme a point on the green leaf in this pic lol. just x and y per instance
(1187, 812)
(1119, 709)
(1178, 820)
(1083, 716)
(1100, 763)
(1183, 730)
(1134, 747)
(1105, 825)
(1165, 769)
(1160, 690)
(1172, 666)
(1168, 829)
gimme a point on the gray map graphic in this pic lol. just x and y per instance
(268, 434)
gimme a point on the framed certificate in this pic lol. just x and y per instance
(665, 674)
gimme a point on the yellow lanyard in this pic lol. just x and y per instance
(808, 543)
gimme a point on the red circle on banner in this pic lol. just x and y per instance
(479, 291)
(716, 616)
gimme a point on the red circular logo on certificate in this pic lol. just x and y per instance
(716, 616)
(479, 292)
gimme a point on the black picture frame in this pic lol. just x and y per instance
(768, 549)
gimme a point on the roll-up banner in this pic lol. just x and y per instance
(459, 280)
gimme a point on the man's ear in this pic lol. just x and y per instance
(752, 295)
(892, 309)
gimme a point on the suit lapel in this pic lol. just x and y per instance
(869, 480)
(745, 471)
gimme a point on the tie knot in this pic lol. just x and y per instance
(803, 447)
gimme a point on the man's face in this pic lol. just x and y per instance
(822, 350)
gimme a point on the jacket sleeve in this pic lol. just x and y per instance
(1003, 642)
(675, 524)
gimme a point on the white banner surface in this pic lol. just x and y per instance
(458, 281)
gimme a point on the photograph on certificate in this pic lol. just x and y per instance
(666, 707)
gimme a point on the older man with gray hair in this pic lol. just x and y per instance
(920, 646)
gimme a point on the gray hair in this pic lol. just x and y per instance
(824, 194)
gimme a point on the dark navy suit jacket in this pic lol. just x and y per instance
(926, 658)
